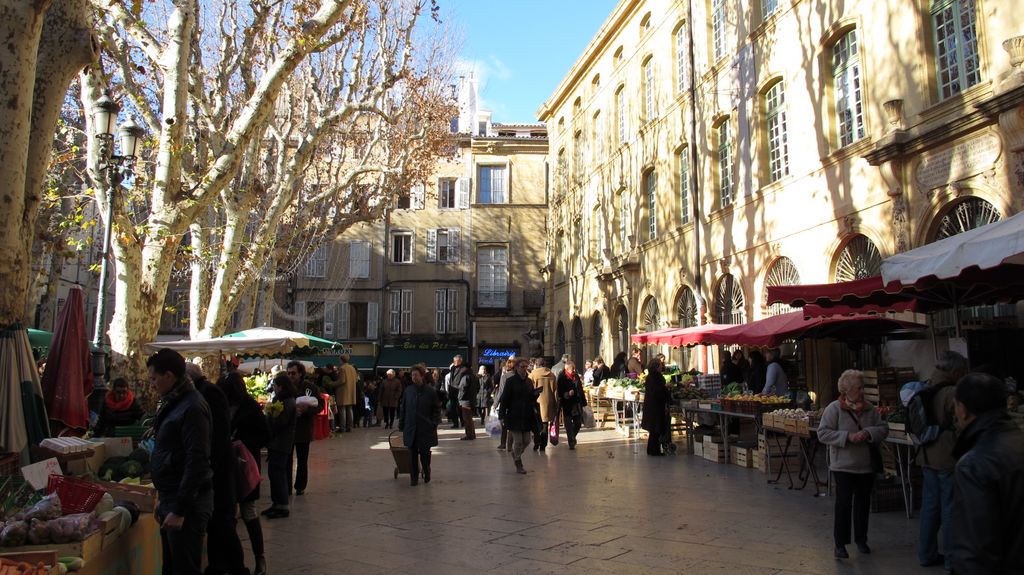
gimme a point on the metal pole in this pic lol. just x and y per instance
(101, 295)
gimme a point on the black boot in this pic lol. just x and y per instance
(256, 542)
(519, 467)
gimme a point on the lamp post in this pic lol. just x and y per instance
(115, 168)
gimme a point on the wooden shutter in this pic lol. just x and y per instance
(453, 245)
(462, 193)
(371, 320)
(431, 245)
(343, 320)
(416, 197)
(300, 316)
(328, 319)
(396, 312)
(439, 311)
(406, 311)
(452, 310)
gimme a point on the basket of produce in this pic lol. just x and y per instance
(76, 495)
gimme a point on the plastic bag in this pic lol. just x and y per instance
(71, 528)
(307, 401)
(46, 508)
(492, 424)
(15, 533)
(588, 417)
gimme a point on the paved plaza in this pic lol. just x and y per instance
(604, 508)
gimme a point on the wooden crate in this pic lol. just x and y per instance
(742, 456)
(761, 461)
(698, 448)
(87, 548)
(47, 557)
(716, 452)
(143, 496)
(713, 438)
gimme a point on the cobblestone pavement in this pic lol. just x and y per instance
(604, 508)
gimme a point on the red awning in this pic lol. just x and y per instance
(772, 331)
(857, 291)
(645, 337)
(814, 310)
(678, 336)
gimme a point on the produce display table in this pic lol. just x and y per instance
(905, 451)
(723, 423)
(808, 447)
(137, 550)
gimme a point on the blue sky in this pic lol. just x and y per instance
(519, 50)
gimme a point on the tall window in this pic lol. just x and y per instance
(620, 116)
(684, 186)
(725, 183)
(775, 121)
(718, 28)
(597, 233)
(846, 83)
(682, 60)
(561, 174)
(358, 320)
(579, 250)
(768, 7)
(443, 245)
(624, 213)
(651, 195)
(648, 89)
(577, 156)
(595, 137)
(492, 276)
(446, 194)
(316, 265)
(400, 315)
(446, 307)
(493, 184)
(359, 259)
(956, 46)
(401, 247)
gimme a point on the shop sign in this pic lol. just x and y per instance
(491, 354)
(409, 344)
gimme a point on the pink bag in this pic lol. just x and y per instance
(247, 477)
(553, 432)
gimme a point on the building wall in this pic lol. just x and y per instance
(921, 156)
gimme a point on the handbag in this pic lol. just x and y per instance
(247, 475)
(588, 417)
(877, 467)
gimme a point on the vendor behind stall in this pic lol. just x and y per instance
(119, 408)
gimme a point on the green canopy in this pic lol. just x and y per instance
(40, 340)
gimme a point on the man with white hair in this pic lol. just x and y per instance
(390, 395)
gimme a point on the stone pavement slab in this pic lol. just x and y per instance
(604, 508)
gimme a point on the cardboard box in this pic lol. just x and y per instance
(90, 464)
(698, 448)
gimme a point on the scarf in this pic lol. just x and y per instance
(123, 405)
(857, 408)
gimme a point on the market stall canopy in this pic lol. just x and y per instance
(772, 331)
(984, 248)
(649, 336)
(256, 341)
(273, 332)
(679, 336)
(40, 340)
(403, 358)
(67, 380)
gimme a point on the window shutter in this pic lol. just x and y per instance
(453, 245)
(328, 319)
(452, 310)
(300, 316)
(406, 311)
(396, 311)
(431, 245)
(505, 191)
(371, 320)
(412, 247)
(462, 193)
(416, 196)
(439, 315)
(343, 320)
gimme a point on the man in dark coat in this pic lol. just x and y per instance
(305, 417)
(988, 484)
(518, 411)
(223, 548)
(418, 417)
(180, 464)
(656, 400)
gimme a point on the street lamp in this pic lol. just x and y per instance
(115, 168)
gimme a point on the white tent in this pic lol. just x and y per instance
(258, 341)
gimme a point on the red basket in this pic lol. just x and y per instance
(76, 495)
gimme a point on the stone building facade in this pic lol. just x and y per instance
(702, 150)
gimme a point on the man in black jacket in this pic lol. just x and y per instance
(988, 485)
(517, 411)
(180, 463)
(223, 548)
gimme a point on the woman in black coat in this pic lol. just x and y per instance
(418, 417)
(656, 400)
(571, 400)
(249, 426)
(281, 419)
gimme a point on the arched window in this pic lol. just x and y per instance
(682, 59)
(622, 329)
(577, 343)
(966, 215)
(781, 273)
(775, 128)
(560, 339)
(846, 88)
(651, 316)
(858, 259)
(686, 316)
(647, 76)
(729, 306)
(597, 329)
(723, 149)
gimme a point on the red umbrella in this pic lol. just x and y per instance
(67, 381)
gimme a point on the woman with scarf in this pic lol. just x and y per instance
(119, 408)
(852, 428)
(281, 419)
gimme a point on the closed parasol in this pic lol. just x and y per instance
(22, 415)
(67, 380)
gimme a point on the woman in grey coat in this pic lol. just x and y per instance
(851, 427)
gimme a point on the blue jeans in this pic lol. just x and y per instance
(936, 511)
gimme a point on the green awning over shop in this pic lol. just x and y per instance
(358, 361)
(398, 358)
